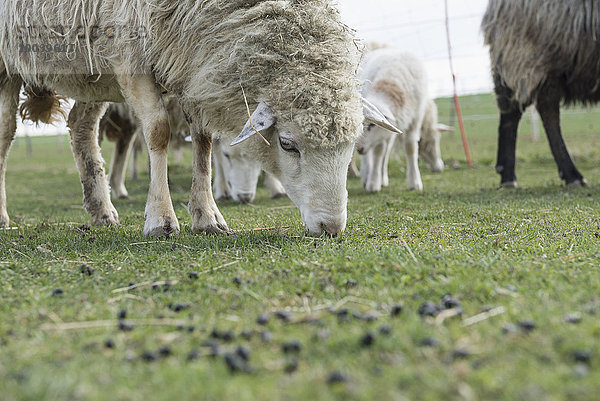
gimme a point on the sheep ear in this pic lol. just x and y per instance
(444, 128)
(261, 119)
(373, 115)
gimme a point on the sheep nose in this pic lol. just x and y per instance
(332, 228)
(246, 197)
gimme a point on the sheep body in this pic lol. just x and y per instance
(293, 57)
(542, 52)
(396, 82)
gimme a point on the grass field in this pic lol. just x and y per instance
(92, 313)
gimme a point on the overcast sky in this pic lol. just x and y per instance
(419, 26)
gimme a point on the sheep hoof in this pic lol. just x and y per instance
(4, 220)
(164, 227)
(578, 183)
(509, 184)
(107, 217)
(208, 221)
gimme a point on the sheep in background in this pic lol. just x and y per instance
(236, 174)
(395, 82)
(541, 52)
(290, 61)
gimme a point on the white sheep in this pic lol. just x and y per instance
(291, 61)
(396, 83)
(236, 174)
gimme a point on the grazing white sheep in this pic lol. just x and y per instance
(291, 61)
(395, 82)
(236, 174)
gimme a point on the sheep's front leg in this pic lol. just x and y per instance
(83, 124)
(141, 92)
(413, 175)
(205, 214)
(9, 101)
(385, 179)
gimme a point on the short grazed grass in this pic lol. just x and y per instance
(530, 257)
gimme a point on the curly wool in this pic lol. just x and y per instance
(532, 40)
(295, 55)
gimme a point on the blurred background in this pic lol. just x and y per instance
(420, 26)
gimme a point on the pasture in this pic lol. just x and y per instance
(90, 313)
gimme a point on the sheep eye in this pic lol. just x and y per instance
(226, 155)
(370, 126)
(287, 145)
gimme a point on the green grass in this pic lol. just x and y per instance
(533, 252)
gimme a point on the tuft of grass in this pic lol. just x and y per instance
(529, 255)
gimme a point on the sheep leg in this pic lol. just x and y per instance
(548, 105)
(510, 115)
(116, 176)
(221, 186)
(205, 214)
(385, 180)
(411, 148)
(9, 102)
(141, 92)
(376, 157)
(275, 188)
(83, 127)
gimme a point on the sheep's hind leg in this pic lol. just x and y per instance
(548, 105)
(141, 92)
(83, 125)
(205, 214)
(116, 176)
(9, 101)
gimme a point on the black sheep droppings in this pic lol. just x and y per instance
(337, 377)
(236, 364)
(368, 339)
(351, 283)
(526, 325)
(283, 315)
(148, 356)
(573, 318)
(243, 352)
(396, 310)
(450, 302)
(582, 356)
(164, 351)
(237, 281)
(57, 291)
(86, 269)
(429, 309)
(429, 342)
(263, 319)
(193, 275)
(122, 314)
(385, 330)
(125, 326)
(291, 347)
(108, 343)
